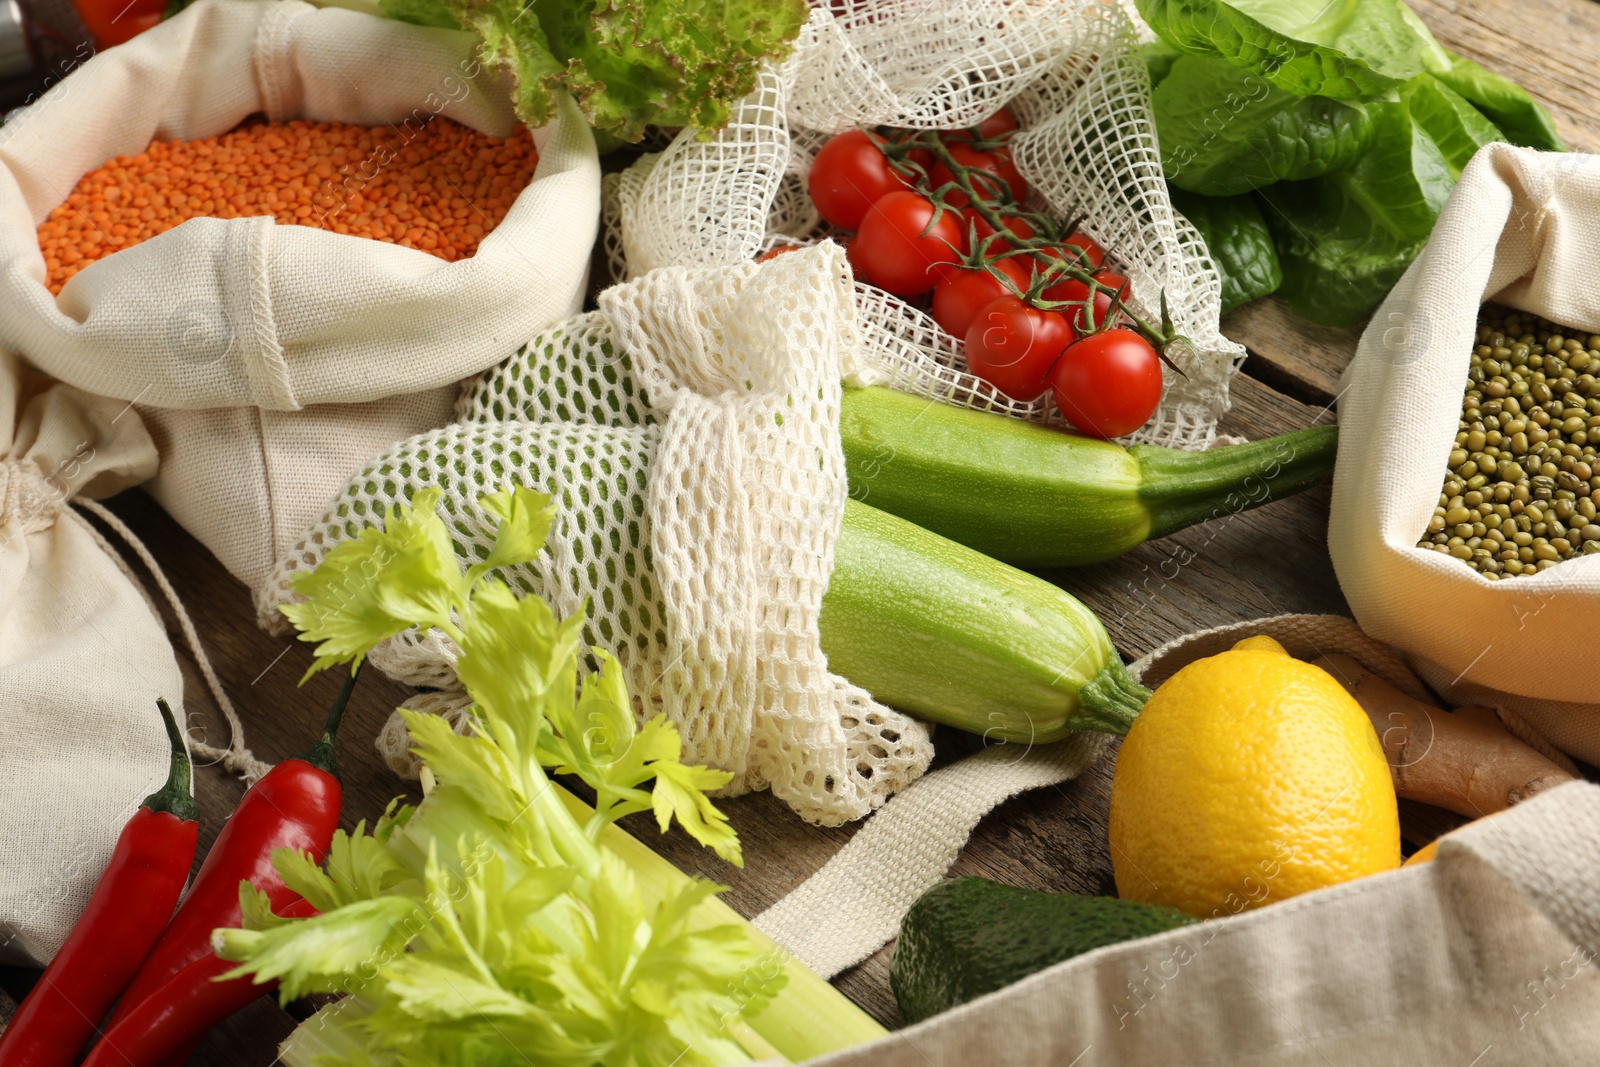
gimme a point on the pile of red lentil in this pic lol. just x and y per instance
(438, 186)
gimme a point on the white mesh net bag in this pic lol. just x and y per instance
(689, 431)
(690, 427)
(1070, 72)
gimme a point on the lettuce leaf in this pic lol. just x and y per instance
(1225, 130)
(1403, 180)
(1504, 103)
(1345, 49)
(1338, 260)
(1454, 125)
(1159, 56)
(1239, 242)
(1345, 239)
(628, 63)
(1345, 119)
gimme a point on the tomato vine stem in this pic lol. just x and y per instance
(989, 198)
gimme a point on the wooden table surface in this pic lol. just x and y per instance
(1265, 562)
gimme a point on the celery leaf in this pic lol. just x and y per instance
(378, 585)
(488, 924)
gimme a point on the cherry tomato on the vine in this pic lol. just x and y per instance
(922, 157)
(1001, 122)
(959, 298)
(1079, 251)
(901, 248)
(848, 176)
(1012, 345)
(776, 251)
(1108, 384)
(997, 163)
(1088, 250)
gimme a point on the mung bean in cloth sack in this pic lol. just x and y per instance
(1519, 229)
(1073, 76)
(1484, 955)
(688, 430)
(271, 360)
(83, 657)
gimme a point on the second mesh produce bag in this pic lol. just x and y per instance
(1073, 76)
(688, 430)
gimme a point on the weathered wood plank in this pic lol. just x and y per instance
(1294, 356)
(1549, 47)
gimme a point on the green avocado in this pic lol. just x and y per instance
(971, 936)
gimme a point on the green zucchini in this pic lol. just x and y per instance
(1037, 497)
(950, 635)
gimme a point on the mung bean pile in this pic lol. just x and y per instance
(1523, 489)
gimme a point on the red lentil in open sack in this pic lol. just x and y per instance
(270, 361)
(439, 192)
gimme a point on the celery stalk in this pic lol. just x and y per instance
(809, 1017)
(501, 913)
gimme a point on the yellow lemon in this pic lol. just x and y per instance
(1423, 855)
(1427, 852)
(1249, 777)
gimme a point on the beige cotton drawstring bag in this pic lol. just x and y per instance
(1485, 957)
(1520, 228)
(269, 361)
(83, 658)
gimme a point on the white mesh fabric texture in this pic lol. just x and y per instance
(394, 742)
(689, 430)
(1073, 76)
(272, 361)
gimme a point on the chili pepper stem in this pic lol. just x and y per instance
(321, 755)
(177, 795)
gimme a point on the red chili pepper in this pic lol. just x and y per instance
(125, 914)
(296, 805)
(188, 1004)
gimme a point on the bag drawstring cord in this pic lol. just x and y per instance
(237, 757)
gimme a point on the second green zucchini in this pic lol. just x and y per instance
(1036, 496)
(952, 636)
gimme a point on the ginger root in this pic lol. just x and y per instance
(1463, 761)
